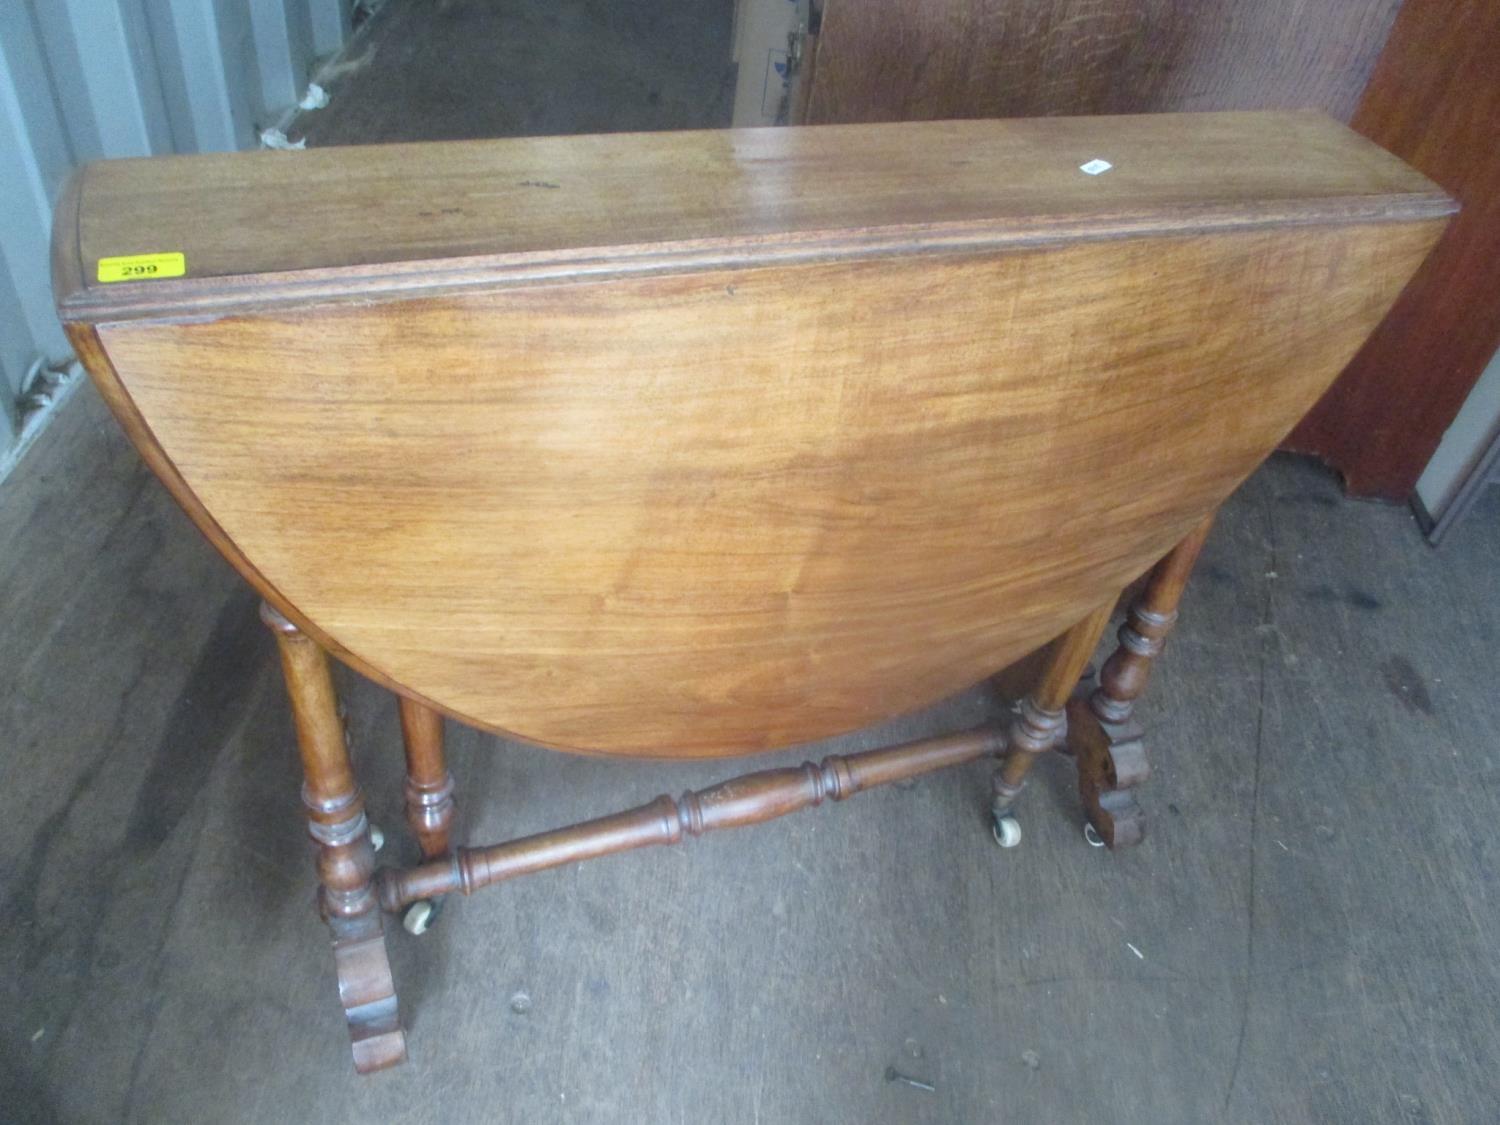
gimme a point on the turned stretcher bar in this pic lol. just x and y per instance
(706, 444)
(753, 798)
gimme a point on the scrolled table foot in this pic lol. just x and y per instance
(368, 995)
(1111, 760)
(1103, 734)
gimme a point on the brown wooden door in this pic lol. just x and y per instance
(1434, 100)
(894, 60)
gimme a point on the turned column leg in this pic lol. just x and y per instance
(429, 798)
(346, 859)
(1104, 736)
(1040, 724)
(429, 785)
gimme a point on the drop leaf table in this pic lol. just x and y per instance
(708, 443)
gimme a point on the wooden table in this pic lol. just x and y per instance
(708, 443)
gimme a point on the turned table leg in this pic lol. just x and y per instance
(1103, 735)
(429, 785)
(346, 859)
(1040, 724)
(429, 798)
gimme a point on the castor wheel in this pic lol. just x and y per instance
(418, 918)
(377, 837)
(1006, 830)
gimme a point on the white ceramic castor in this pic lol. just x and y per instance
(1091, 834)
(418, 917)
(377, 837)
(1007, 831)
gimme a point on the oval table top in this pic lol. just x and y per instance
(708, 443)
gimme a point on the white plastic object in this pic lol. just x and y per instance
(1091, 834)
(377, 837)
(418, 917)
(1007, 831)
(276, 139)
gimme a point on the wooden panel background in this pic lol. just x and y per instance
(894, 60)
(1434, 100)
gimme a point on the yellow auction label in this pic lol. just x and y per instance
(142, 267)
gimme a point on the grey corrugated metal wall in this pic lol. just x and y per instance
(82, 79)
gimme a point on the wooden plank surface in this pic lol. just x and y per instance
(461, 213)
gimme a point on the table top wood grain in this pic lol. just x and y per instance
(365, 220)
(729, 440)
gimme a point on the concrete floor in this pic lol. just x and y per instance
(429, 70)
(1307, 934)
